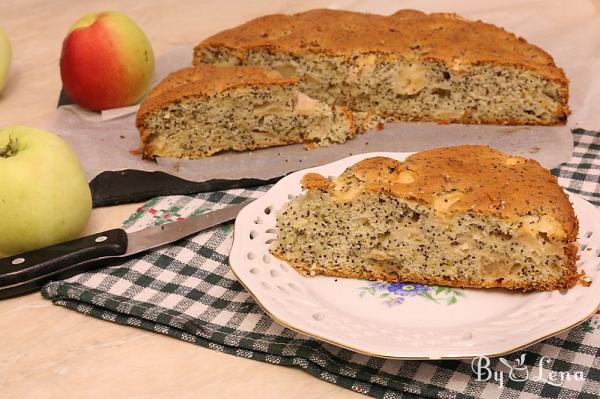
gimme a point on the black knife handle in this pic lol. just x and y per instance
(125, 186)
(23, 273)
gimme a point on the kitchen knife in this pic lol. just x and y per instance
(27, 272)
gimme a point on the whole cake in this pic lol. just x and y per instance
(406, 66)
(202, 110)
(465, 216)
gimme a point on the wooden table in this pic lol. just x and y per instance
(47, 351)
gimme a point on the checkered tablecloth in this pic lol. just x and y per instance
(186, 290)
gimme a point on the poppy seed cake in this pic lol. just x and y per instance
(199, 111)
(406, 66)
(465, 216)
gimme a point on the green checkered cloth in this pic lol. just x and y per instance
(187, 291)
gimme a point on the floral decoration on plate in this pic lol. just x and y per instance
(396, 293)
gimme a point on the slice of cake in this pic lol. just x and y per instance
(406, 66)
(466, 216)
(199, 111)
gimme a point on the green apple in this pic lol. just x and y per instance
(5, 56)
(44, 196)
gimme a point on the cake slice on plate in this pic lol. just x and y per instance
(465, 216)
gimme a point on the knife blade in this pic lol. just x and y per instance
(28, 272)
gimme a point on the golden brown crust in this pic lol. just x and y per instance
(316, 181)
(467, 178)
(205, 81)
(562, 112)
(439, 37)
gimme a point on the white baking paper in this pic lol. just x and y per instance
(570, 33)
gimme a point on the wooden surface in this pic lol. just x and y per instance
(49, 352)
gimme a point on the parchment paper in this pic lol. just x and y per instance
(569, 33)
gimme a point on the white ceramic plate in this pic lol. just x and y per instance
(405, 320)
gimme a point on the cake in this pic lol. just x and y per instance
(408, 66)
(465, 216)
(199, 111)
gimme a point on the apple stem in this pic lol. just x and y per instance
(10, 150)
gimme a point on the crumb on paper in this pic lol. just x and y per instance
(121, 136)
(137, 151)
(533, 150)
(584, 279)
(586, 283)
(511, 130)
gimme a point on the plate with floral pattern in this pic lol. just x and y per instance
(404, 320)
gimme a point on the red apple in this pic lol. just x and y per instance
(106, 61)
